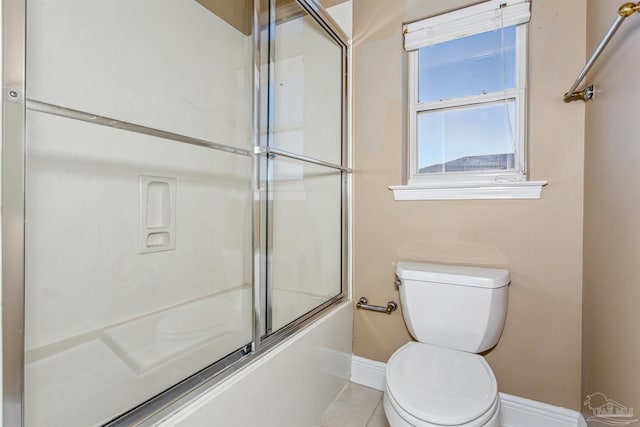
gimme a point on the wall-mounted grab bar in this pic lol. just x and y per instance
(363, 303)
(587, 93)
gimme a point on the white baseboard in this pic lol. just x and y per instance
(516, 411)
(521, 412)
(368, 372)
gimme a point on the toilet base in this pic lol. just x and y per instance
(396, 420)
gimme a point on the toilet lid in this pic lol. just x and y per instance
(439, 385)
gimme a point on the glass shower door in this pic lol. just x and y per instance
(305, 244)
(138, 201)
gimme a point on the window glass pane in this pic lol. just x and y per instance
(472, 138)
(482, 63)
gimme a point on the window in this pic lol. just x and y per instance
(466, 96)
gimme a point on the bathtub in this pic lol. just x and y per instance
(133, 360)
(290, 386)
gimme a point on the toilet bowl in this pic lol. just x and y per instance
(454, 312)
(430, 386)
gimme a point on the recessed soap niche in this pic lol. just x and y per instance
(157, 214)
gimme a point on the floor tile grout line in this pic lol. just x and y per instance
(364, 417)
(374, 411)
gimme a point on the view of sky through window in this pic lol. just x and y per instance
(480, 64)
(478, 136)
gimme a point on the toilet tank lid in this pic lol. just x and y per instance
(453, 274)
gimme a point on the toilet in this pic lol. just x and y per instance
(453, 312)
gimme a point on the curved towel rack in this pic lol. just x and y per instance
(587, 93)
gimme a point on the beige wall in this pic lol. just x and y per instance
(237, 13)
(330, 3)
(539, 241)
(611, 344)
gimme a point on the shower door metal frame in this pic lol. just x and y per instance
(268, 337)
(13, 209)
(14, 106)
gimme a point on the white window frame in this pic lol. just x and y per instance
(472, 20)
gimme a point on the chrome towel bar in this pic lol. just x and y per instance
(363, 303)
(587, 93)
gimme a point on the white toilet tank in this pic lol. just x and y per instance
(457, 307)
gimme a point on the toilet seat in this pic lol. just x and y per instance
(434, 386)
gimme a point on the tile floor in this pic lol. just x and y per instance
(356, 406)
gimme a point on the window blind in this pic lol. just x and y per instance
(479, 18)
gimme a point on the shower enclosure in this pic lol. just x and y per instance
(174, 197)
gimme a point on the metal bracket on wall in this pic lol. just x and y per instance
(363, 303)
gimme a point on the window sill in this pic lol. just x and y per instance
(470, 191)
